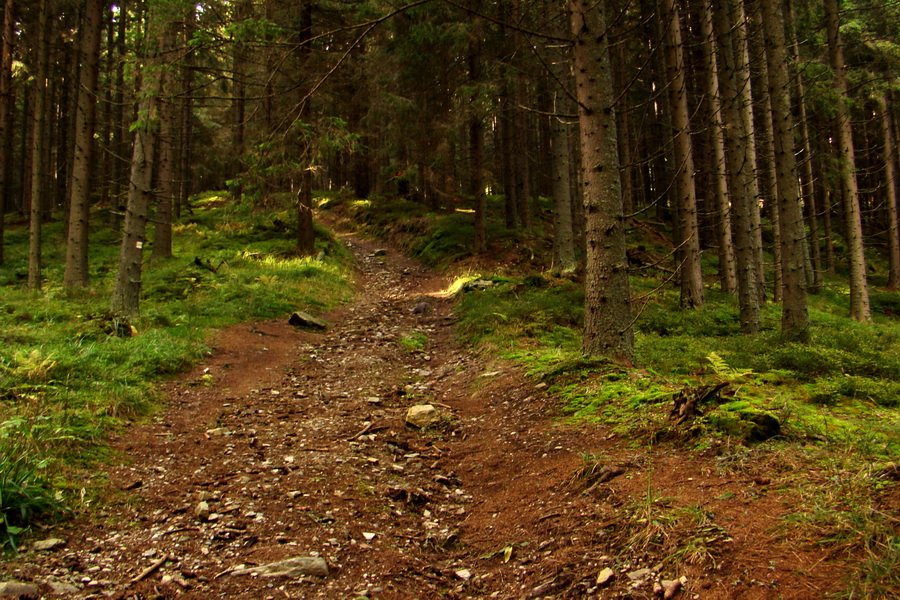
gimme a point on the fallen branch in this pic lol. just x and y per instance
(149, 570)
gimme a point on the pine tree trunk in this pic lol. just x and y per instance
(727, 275)
(6, 37)
(859, 286)
(476, 152)
(38, 141)
(807, 183)
(563, 232)
(795, 311)
(687, 229)
(239, 93)
(165, 196)
(186, 119)
(890, 188)
(120, 127)
(127, 286)
(608, 318)
(306, 237)
(76, 271)
(741, 166)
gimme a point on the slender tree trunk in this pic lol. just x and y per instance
(727, 275)
(239, 93)
(306, 237)
(608, 318)
(6, 38)
(520, 157)
(795, 311)
(476, 150)
(564, 260)
(688, 240)
(120, 127)
(859, 286)
(76, 271)
(807, 182)
(186, 118)
(165, 147)
(127, 286)
(39, 119)
(741, 166)
(890, 187)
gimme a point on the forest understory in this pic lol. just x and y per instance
(292, 444)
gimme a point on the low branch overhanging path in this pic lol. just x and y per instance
(289, 443)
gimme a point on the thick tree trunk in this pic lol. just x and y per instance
(608, 318)
(859, 286)
(687, 229)
(727, 275)
(741, 166)
(6, 38)
(890, 188)
(76, 271)
(39, 120)
(795, 311)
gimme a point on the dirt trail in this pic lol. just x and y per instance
(295, 444)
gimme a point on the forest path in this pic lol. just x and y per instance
(291, 443)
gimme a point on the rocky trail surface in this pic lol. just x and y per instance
(283, 467)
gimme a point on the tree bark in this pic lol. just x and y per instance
(727, 275)
(39, 119)
(476, 150)
(608, 318)
(890, 183)
(687, 229)
(795, 311)
(306, 237)
(127, 286)
(165, 147)
(6, 38)
(807, 182)
(859, 286)
(76, 270)
(741, 165)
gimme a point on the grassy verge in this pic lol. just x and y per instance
(70, 371)
(835, 403)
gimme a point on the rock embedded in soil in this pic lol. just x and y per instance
(422, 415)
(293, 567)
(304, 319)
(605, 576)
(19, 589)
(48, 544)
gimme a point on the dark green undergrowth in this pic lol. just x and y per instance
(70, 371)
(441, 236)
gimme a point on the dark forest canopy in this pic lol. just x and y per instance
(746, 129)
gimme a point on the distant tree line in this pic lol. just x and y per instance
(712, 118)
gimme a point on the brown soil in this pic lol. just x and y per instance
(296, 441)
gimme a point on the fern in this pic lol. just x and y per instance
(724, 370)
